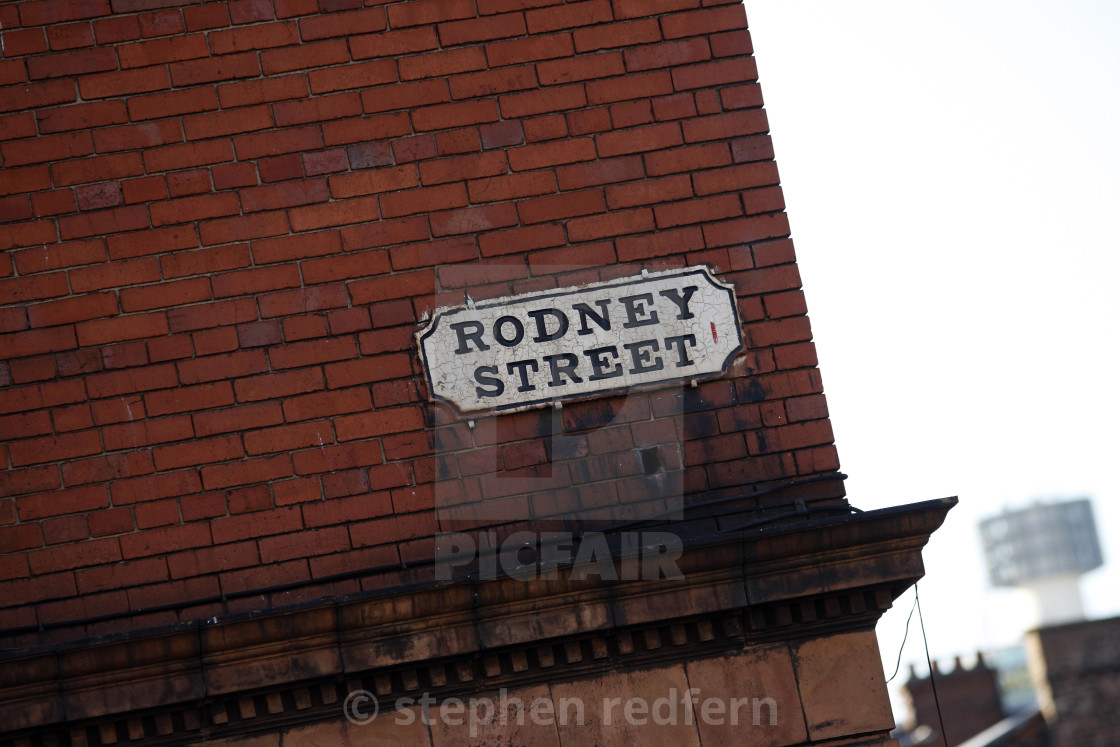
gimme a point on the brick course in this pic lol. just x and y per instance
(217, 257)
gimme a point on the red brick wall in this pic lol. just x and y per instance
(224, 221)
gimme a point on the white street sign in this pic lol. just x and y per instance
(523, 351)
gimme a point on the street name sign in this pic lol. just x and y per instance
(539, 348)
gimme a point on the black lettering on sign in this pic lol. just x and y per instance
(487, 376)
(681, 301)
(643, 359)
(474, 335)
(499, 329)
(543, 335)
(599, 364)
(637, 315)
(677, 342)
(602, 318)
(521, 368)
(563, 364)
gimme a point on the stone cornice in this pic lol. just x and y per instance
(236, 675)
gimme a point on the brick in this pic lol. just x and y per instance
(461, 168)
(715, 73)
(131, 327)
(408, 149)
(24, 180)
(258, 145)
(214, 69)
(196, 208)
(165, 540)
(467, 220)
(662, 243)
(342, 24)
(430, 254)
(247, 93)
(649, 192)
(45, 204)
(394, 43)
(106, 468)
(629, 87)
(530, 103)
(54, 448)
(544, 155)
(162, 51)
(702, 22)
(122, 575)
(246, 472)
(490, 82)
(221, 367)
(205, 261)
(244, 282)
(378, 423)
(216, 124)
(323, 404)
(188, 398)
(638, 139)
(425, 199)
(187, 155)
(312, 54)
(17, 290)
(155, 487)
(697, 211)
(724, 126)
(281, 168)
(242, 228)
(82, 116)
(78, 62)
(118, 29)
(571, 15)
(354, 75)
(511, 186)
(32, 369)
(153, 241)
(161, 23)
(302, 300)
(404, 95)
(459, 114)
(424, 12)
(147, 432)
(326, 162)
(199, 451)
(318, 109)
(361, 264)
(615, 223)
(91, 552)
(612, 35)
(441, 64)
(735, 178)
(263, 36)
(24, 98)
(279, 384)
(754, 228)
(521, 239)
(47, 148)
(338, 212)
(288, 437)
(567, 205)
(291, 194)
(312, 352)
(74, 309)
(533, 49)
(374, 181)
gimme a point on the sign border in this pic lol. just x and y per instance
(704, 271)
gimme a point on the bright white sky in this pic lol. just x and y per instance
(952, 177)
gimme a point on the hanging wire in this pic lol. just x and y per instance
(932, 682)
(905, 634)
